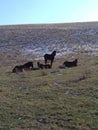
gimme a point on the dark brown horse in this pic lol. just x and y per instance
(20, 68)
(70, 63)
(28, 65)
(43, 66)
(50, 57)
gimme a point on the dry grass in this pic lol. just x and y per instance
(52, 99)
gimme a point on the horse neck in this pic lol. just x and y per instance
(53, 54)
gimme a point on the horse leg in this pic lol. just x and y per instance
(51, 63)
(45, 61)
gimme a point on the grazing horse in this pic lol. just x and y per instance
(42, 66)
(70, 63)
(28, 66)
(50, 57)
(18, 68)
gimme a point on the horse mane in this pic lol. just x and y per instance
(53, 53)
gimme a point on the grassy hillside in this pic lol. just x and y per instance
(52, 99)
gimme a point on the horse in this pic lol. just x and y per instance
(43, 66)
(28, 66)
(18, 68)
(70, 63)
(50, 57)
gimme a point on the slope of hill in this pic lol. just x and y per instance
(35, 40)
(49, 99)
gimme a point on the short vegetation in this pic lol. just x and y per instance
(50, 99)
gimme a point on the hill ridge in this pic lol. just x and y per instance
(74, 25)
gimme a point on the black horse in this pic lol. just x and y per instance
(70, 63)
(18, 68)
(43, 66)
(28, 66)
(50, 57)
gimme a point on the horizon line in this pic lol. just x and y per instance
(57, 23)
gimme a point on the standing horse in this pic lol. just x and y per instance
(50, 57)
